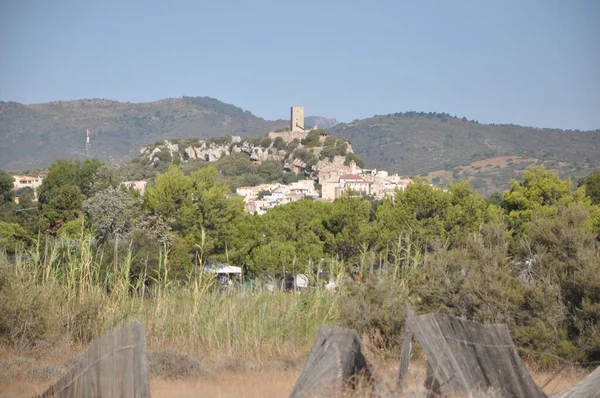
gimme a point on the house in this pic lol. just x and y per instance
(21, 181)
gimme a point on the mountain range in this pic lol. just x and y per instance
(434, 145)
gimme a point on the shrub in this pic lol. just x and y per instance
(278, 143)
(266, 142)
(25, 308)
(377, 307)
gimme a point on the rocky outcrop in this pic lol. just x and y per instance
(258, 149)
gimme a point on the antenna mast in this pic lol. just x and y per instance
(87, 143)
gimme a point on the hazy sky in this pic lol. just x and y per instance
(526, 62)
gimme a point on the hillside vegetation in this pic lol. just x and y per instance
(243, 161)
(91, 255)
(35, 135)
(443, 147)
(434, 145)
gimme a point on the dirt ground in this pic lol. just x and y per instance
(250, 385)
(28, 374)
(255, 384)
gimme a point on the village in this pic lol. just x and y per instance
(334, 178)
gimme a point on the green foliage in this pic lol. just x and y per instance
(124, 127)
(307, 156)
(26, 196)
(67, 172)
(346, 223)
(266, 142)
(329, 141)
(112, 212)
(413, 143)
(529, 258)
(64, 206)
(338, 148)
(313, 138)
(592, 186)
(6, 185)
(198, 207)
(226, 139)
(73, 229)
(279, 143)
(11, 236)
(292, 145)
(262, 194)
(294, 231)
(541, 192)
(25, 309)
(437, 218)
(376, 308)
(357, 159)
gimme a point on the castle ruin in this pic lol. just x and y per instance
(297, 119)
(296, 129)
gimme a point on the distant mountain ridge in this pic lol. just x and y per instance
(434, 145)
(320, 122)
(34, 135)
(443, 147)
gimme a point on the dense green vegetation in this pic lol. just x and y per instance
(528, 257)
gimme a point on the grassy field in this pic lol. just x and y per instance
(55, 298)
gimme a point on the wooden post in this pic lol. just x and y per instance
(114, 365)
(335, 361)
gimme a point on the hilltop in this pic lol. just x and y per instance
(35, 135)
(434, 145)
(245, 160)
(442, 147)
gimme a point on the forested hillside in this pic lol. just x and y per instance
(441, 147)
(35, 135)
(435, 145)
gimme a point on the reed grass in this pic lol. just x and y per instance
(81, 297)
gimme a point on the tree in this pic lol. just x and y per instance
(26, 196)
(64, 206)
(262, 194)
(67, 172)
(273, 258)
(592, 186)
(11, 235)
(170, 196)
(107, 175)
(212, 211)
(346, 222)
(541, 193)
(357, 159)
(112, 212)
(278, 143)
(198, 207)
(6, 186)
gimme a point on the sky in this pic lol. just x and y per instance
(528, 62)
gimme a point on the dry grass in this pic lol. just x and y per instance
(251, 384)
(565, 380)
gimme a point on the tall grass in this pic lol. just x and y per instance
(80, 296)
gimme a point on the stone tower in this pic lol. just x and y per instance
(297, 119)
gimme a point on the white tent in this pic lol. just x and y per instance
(220, 268)
(301, 281)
